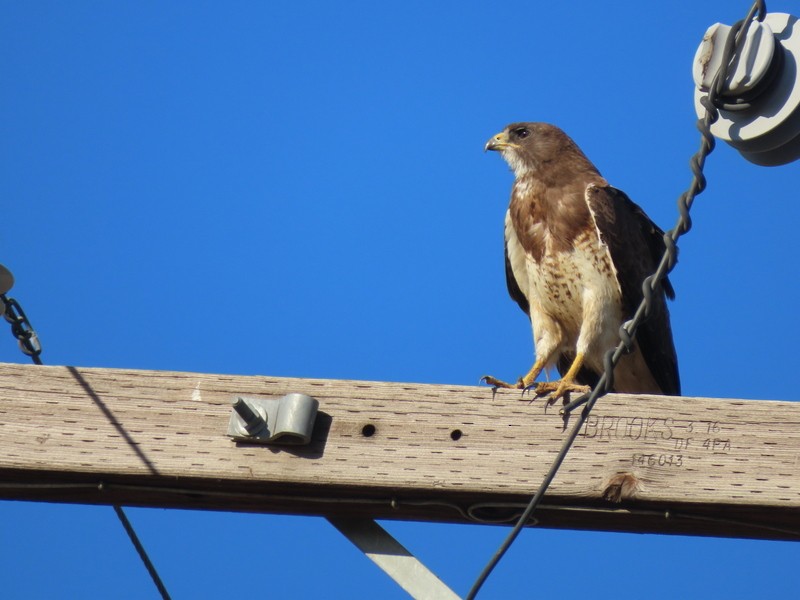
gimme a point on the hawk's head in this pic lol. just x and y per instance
(537, 148)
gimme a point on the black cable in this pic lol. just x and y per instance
(526, 515)
(141, 551)
(650, 285)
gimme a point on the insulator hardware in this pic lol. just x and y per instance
(759, 102)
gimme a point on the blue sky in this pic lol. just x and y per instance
(300, 189)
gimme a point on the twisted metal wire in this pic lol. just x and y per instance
(650, 286)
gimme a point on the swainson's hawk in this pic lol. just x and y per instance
(576, 253)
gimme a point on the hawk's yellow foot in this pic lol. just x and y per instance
(558, 389)
(566, 385)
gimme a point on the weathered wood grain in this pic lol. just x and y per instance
(438, 452)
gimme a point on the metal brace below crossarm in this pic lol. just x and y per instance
(391, 556)
(290, 420)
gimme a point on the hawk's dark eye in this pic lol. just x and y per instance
(522, 132)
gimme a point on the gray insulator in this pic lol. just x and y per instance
(760, 116)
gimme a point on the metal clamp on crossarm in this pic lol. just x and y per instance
(286, 420)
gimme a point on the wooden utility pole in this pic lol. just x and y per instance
(401, 451)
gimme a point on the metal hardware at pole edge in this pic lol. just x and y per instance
(287, 420)
(6, 280)
(760, 114)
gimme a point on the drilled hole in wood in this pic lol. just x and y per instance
(455, 435)
(368, 430)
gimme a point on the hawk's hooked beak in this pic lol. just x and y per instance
(497, 142)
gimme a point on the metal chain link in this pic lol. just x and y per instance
(650, 286)
(21, 328)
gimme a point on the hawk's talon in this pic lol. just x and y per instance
(568, 407)
(496, 383)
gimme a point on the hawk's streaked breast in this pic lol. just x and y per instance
(565, 285)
